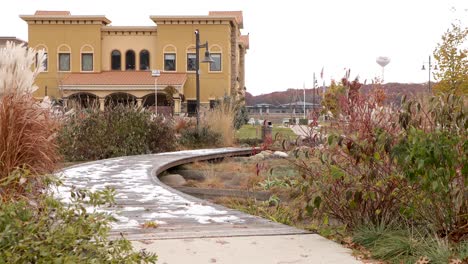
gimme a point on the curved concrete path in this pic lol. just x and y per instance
(222, 235)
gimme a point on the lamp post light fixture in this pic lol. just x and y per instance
(429, 68)
(156, 74)
(206, 59)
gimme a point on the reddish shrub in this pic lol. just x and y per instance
(358, 182)
(26, 142)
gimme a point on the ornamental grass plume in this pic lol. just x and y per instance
(27, 148)
(16, 74)
(221, 120)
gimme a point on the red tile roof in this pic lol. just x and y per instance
(237, 14)
(123, 78)
(244, 39)
(52, 13)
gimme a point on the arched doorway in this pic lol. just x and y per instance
(83, 100)
(120, 99)
(164, 107)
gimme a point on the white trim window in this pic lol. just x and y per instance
(86, 61)
(64, 61)
(169, 62)
(44, 63)
(216, 65)
(191, 62)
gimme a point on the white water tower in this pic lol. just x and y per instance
(383, 61)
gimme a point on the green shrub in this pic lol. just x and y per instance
(162, 136)
(90, 134)
(241, 118)
(463, 249)
(44, 230)
(202, 138)
(34, 226)
(433, 155)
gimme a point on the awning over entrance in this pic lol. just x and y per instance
(130, 78)
(135, 86)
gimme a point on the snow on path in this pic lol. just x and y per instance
(139, 197)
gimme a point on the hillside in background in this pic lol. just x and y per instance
(394, 91)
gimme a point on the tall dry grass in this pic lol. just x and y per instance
(27, 148)
(26, 136)
(221, 120)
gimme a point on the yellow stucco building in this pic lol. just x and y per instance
(87, 58)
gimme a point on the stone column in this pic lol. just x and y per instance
(177, 106)
(139, 102)
(242, 70)
(102, 103)
(234, 65)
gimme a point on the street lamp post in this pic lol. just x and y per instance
(206, 59)
(314, 86)
(429, 68)
(156, 74)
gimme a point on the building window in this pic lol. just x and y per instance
(191, 62)
(116, 60)
(64, 61)
(44, 63)
(216, 65)
(192, 107)
(144, 60)
(87, 62)
(169, 62)
(130, 60)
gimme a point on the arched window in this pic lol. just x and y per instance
(216, 55)
(44, 48)
(130, 60)
(87, 58)
(144, 60)
(116, 60)
(191, 58)
(170, 53)
(64, 58)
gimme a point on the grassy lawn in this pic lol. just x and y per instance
(249, 131)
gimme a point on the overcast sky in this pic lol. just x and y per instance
(290, 40)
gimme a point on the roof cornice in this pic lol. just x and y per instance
(192, 19)
(34, 18)
(130, 28)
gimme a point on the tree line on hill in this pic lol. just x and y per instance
(393, 91)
